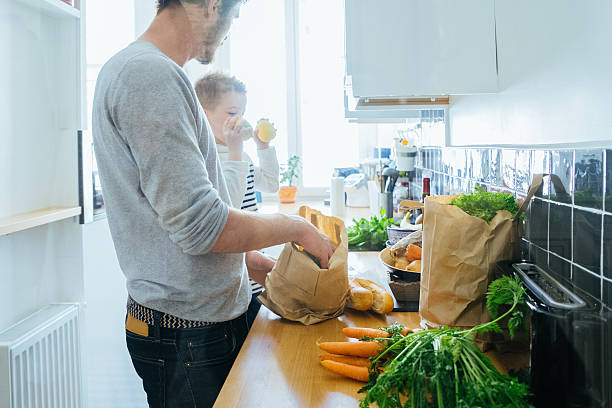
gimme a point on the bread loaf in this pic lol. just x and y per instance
(414, 266)
(359, 298)
(382, 302)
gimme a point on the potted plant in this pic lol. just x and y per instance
(290, 175)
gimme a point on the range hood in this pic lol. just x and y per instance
(364, 109)
(389, 107)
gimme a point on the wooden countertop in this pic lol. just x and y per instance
(278, 365)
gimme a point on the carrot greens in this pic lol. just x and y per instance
(443, 367)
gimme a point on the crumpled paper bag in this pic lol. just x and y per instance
(298, 289)
(459, 256)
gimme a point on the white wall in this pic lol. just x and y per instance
(111, 379)
(39, 266)
(555, 77)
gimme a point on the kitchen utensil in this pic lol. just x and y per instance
(393, 181)
(386, 203)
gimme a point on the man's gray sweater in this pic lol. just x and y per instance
(164, 191)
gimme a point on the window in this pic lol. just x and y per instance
(257, 58)
(300, 88)
(327, 140)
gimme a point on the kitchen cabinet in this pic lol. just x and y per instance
(407, 48)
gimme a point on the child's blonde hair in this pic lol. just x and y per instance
(211, 87)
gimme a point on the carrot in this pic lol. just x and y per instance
(351, 360)
(413, 253)
(352, 348)
(360, 332)
(347, 370)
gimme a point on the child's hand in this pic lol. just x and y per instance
(260, 144)
(234, 137)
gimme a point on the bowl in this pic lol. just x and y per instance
(387, 260)
(396, 233)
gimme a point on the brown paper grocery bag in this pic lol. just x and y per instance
(297, 289)
(459, 255)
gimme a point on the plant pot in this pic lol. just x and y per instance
(287, 194)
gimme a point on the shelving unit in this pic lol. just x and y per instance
(42, 79)
(36, 218)
(54, 7)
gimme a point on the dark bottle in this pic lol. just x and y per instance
(426, 188)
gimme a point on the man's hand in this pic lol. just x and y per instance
(315, 242)
(259, 265)
(234, 134)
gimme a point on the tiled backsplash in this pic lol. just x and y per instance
(569, 221)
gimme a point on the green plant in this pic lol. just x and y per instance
(291, 170)
(369, 234)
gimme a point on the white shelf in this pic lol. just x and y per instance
(36, 218)
(53, 7)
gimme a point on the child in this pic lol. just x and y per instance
(224, 101)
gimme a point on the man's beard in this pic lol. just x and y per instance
(210, 45)
(207, 56)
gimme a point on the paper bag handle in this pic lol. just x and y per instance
(536, 182)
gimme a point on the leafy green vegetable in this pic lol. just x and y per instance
(443, 367)
(484, 204)
(369, 234)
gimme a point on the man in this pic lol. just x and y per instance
(180, 245)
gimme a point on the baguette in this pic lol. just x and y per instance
(382, 302)
(359, 298)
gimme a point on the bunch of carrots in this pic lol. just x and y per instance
(440, 367)
(352, 359)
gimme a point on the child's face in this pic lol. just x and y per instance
(230, 104)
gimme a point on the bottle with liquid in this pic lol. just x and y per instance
(426, 188)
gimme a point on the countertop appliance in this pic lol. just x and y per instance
(405, 154)
(356, 188)
(570, 341)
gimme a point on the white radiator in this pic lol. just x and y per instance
(40, 360)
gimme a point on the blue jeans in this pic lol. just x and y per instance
(186, 367)
(253, 309)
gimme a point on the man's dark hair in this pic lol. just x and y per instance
(226, 5)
